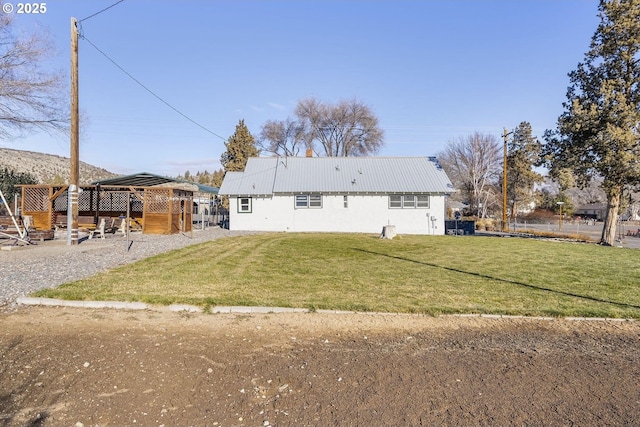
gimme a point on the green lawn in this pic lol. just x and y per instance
(410, 274)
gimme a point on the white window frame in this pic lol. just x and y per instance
(248, 204)
(301, 201)
(307, 201)
(395, 201)
(423, 201)
(409, 201)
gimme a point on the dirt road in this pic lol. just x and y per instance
(66, 367)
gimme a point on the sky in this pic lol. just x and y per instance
(431, 71)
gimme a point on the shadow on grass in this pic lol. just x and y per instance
(512, 282)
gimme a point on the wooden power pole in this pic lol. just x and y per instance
(72, 209)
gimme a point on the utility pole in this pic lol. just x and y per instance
(505, 134)
(560, 219)
(72, 208)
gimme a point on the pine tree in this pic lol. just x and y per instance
(10, 181)
(240, 146)
(598, 134)
(523, 154)
(216, 178)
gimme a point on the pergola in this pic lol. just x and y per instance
(156, 204)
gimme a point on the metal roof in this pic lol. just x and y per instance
(257, 178)
(205, 188)
(343, 175)
(146, 179)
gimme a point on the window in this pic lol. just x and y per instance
(302, 201)
(308, 201)
(408, 201)
(422, 201)
(315, 201)
(244, 204)
(395, 201)
(345, 201)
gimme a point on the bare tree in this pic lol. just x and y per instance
(473, 164)
(30, 98)
(590, 193)
(348, 128)
(282, 138)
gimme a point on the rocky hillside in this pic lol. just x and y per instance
(48, 168)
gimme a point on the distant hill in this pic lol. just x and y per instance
(48, 167)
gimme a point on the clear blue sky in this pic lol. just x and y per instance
(432, 71)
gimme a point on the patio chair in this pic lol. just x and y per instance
(98, 229)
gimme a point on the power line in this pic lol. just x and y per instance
(103, 10)
(149, 90)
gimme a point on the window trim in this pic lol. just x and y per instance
(312, 201)
(249, 204)
(301, 197)
(409, 201)
(427, 200)
(395, 204)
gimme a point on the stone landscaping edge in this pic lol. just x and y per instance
(266, 310)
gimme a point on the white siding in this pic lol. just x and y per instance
(364, 214)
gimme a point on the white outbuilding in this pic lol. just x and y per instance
(338, 194)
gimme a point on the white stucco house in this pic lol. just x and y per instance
(338, 194)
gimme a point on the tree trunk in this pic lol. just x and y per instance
(611, 216)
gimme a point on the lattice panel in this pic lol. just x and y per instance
(84, 200)
(157, 201)
(36, 199)
(182, 202)
(113, 201)
(61, 202)
(177, 202)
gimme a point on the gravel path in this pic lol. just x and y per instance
(26, 269)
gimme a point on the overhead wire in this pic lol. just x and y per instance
(83, 37)
(155, 95)
(99, 12)
(103, 10)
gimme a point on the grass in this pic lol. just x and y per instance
(410, 274)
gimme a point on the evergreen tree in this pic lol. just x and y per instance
(523, 154)
(216, 178)
(598, 135)
(9, 181)
(240, 146)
